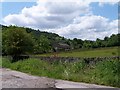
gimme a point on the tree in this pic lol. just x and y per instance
(42, 45)
(87, 44)
(113, 40)
(98, 42)
(16, 41)
(106, 38)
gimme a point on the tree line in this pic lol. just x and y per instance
(21, 41)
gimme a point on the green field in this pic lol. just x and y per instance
(106, 72)
(99, 52)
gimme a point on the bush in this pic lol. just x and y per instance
(16, 42)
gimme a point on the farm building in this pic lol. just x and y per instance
(61, 47)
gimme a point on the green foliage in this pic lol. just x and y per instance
(5, 62)
(77, 43)
(113, 40)
(108, 72)
(42, 45)
(104, 72)
(16, 41)
(45, 41)
(87, 44)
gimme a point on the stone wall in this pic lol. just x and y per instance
(74, 59)
(87, 60)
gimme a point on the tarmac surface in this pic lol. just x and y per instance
(15, 79)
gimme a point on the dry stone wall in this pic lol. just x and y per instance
(74, 59)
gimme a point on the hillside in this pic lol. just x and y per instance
(51, 42)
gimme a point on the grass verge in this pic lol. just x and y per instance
(104, 72)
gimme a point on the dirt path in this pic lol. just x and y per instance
(15, 79)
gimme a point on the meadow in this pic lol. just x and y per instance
(106, 72)
(98, 52)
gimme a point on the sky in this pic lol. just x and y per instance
(78, 19)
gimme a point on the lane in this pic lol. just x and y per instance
(69, 84)
(15, 79)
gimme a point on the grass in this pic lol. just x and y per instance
(99, 52)
(0, 61)
(105, 72)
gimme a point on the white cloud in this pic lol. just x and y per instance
(18, 0)
(79, 0)
(48, 14)
(101, 2)
(1, 0)
(89, 27)
(69, 19)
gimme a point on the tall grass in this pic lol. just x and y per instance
(104, 72)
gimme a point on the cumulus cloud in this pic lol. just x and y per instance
(48, 14)
(89, 27)
(69, 19)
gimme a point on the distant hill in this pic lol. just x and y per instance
(62, 43)
(52, 37)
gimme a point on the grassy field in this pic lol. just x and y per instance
(104, 73)
(99, 52)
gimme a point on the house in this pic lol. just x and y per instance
(61, 47)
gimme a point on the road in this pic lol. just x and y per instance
(15, 79)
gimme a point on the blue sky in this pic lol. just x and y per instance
(85, 21)
(14, 7)
(107, 10)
